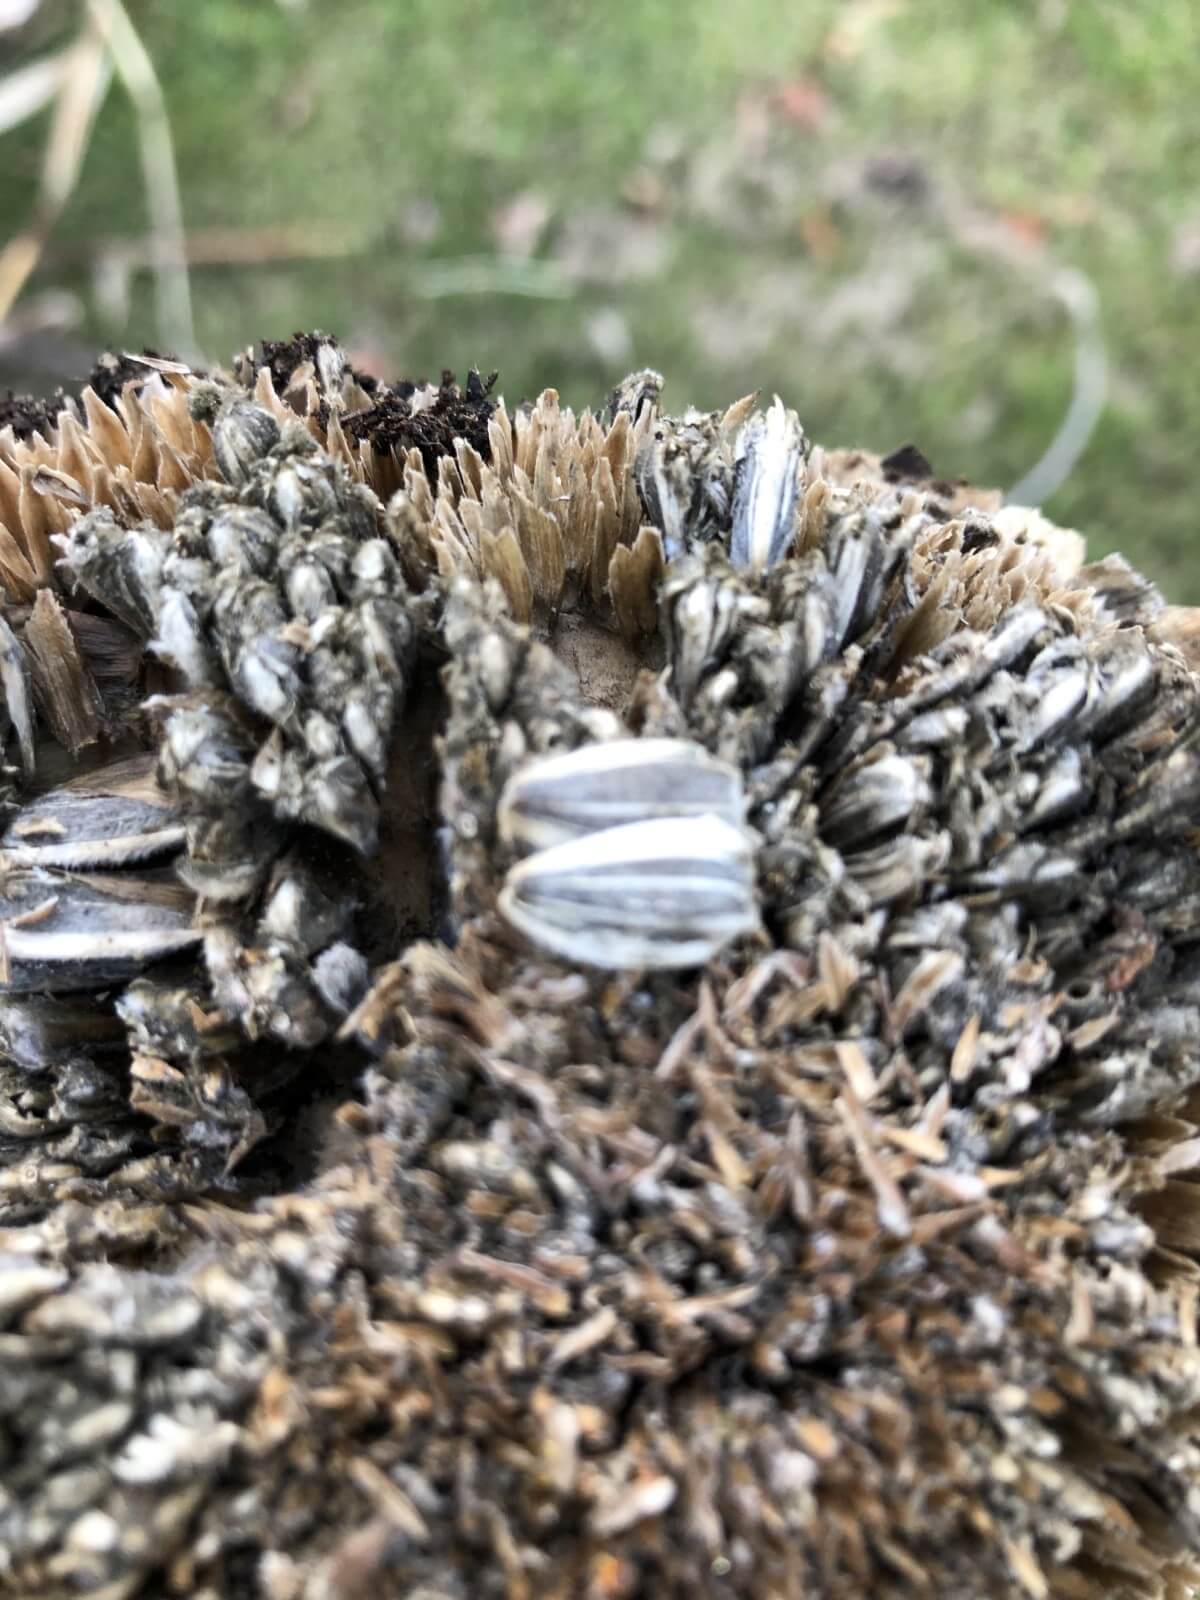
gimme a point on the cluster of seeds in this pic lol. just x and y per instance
(601, 1007)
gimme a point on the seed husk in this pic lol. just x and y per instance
(615, 782)
(666, 893)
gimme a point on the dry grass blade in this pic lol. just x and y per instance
(136, 71)
(85, 78)
(1088, 397)
(24, 92)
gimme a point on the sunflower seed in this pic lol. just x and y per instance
(242, 433)
(611, 784)
(120, 567)
(665, 893)
(879, 796)
(770, 458)
(15, 694)
(70, 931)
(110, 818)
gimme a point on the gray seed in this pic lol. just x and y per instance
(771, 456)
(608, 785)
(666, 893)
(120, 567)
(15, 690)
(64, 931)
(241, 435)
(112, 817)
(879, 796)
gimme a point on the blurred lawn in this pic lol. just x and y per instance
(860, 205)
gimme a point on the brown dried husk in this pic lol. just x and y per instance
(783, 1278)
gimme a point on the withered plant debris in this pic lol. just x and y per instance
(417, 416)
(113, 372)
(909, 463)
(26, 414)
(591, 1007)
(284, 356)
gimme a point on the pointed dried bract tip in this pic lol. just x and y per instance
(605, 785)
(666, 893)
(1026, 524)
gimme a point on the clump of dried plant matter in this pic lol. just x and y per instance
(592, 1006)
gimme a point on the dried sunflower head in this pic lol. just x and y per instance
(596, 1005)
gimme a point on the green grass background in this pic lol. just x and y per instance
(858, 205)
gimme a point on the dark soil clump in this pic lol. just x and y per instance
(27, 414)
(907, 463)
(283, 356)
(393, 424)
(112, 372)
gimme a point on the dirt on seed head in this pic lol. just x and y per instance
(284, 356)
(27, 414)
(394, 423)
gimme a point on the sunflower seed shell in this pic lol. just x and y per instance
(613, 784)
(666, 893)
(69, 931)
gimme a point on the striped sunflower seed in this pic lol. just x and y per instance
(770, 465)
(612, 784)
(87, 892)
(106, 820)
(664, 893)
(62, 931)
